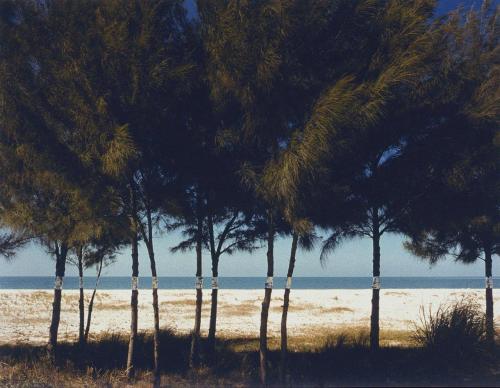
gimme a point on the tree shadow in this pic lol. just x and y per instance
(336, 363)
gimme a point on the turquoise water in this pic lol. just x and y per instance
(317, 283)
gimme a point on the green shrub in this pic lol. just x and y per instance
(454, 332)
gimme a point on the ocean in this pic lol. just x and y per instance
(316, 283)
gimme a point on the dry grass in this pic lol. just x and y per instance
(336, 310)
(242, 309)
(339, 357)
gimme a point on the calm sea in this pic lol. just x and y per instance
(123, 283)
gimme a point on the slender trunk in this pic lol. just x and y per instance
(61, 254)
(215, 286)
(490, 325)
(374, 322)
(286, 300)
(91, 302)
(266, 302)
(154, 280)
(134, 298)
(194, 356)
(156, 335)
(213, 306)
(81, 306)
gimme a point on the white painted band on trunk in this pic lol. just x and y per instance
(58, 283)
(288, 282)
(81, 281)
(154, 282)
(199, 283)
(269, 282)
(376, 283)
(215, 283)
(489, 282)
(135, 283)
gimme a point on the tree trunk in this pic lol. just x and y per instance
(194, 356)
(61, 254)
(81, 305)
(213, 307)
(91, 302)
(490, 324)
(148, 239)
(133, 303)
(266, 302)
(374, 322)
(286, 300)
(156, 311)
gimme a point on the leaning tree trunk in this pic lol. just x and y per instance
(374, 322)
(490, 325)
(156, 335)
(286, 300)
(91, 303)
(266, 302)
(213, 306)
(194, 356)
(81, 305)
(56, 304)
(133, 303)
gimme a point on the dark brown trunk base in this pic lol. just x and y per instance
(213, 323)
(89, 315)
(263, 335)
(374, 322)
(133, 335)
(81, 331)
(194, 357)
(54, 325)
(284, 336)
(490, 324)
(156, 336)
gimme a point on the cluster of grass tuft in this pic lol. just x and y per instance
(457, 329)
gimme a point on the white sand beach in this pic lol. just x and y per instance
(25, 314)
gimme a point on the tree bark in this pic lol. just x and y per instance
(156, 311)
(91, 302)
(194, 356)
(374, 321)
(81, 301)
(134, 298)
(61, 254)
(266, 302)
(286, 300)
(214, 254)
(213, 308)
(490, 324)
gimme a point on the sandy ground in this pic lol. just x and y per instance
(25, 314)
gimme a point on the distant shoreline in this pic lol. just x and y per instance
(250, 283)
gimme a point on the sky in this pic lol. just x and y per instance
(353, 258)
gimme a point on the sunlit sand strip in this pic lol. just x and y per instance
(25, 314)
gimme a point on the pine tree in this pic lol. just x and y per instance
(133, 89)
(458, 154)
(345, 155)
(245, 44)
(48, 187)
(303, 236)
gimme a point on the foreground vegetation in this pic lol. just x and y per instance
(342, 359)
(448, 347)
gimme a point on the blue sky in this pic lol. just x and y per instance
(352, 259)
